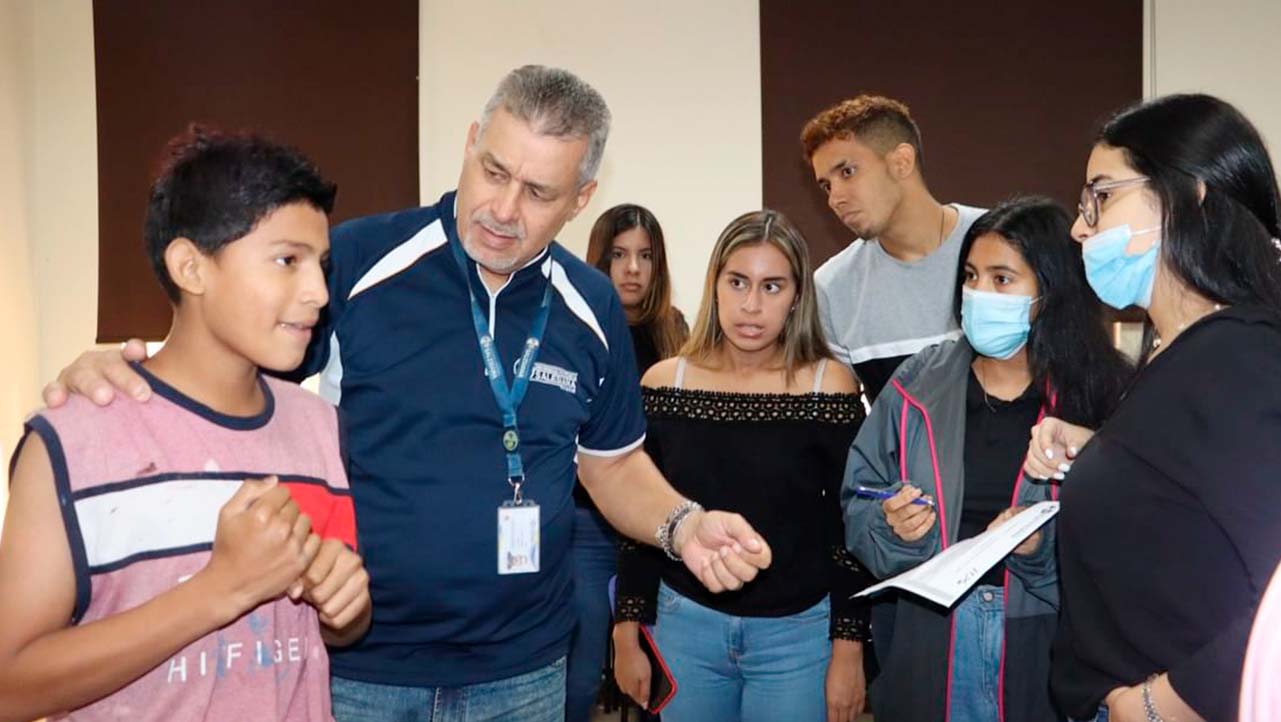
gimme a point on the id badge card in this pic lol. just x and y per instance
(518, 537)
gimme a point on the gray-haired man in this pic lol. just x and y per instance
(474, 360)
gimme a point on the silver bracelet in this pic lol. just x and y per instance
(665, 534)
(1149, 709)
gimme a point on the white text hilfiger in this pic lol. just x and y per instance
(259, 654)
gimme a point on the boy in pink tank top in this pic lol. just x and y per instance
(188, 558)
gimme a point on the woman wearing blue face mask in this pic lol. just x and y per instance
(1169, 530)
(953, 426)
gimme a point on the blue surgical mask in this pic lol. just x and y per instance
(996, 324)
(1120, 280)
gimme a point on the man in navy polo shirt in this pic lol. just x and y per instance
(476, 361)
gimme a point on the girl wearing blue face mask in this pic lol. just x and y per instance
(1169, 529)
(953, 426)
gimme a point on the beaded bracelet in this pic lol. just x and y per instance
(1149, 708)
(665, 534)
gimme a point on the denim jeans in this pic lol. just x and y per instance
(743, 669)
(595, 554)
(537, 696)
(978, 625)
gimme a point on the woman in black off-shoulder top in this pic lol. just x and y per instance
(752, 417)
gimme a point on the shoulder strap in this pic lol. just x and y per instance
(818, 375)
(680, 373)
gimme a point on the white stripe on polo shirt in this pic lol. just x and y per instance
(611, 452)
(573, 299)
(330, 388)
(396, 261)
(401, 257)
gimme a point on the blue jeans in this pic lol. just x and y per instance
(743, 669)
(595, 554)
(979, 631)
(537, 696)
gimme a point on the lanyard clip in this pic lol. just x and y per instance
(517, 482)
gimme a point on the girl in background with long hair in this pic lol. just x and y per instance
(627, 245)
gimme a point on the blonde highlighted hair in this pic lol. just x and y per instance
(802, 336)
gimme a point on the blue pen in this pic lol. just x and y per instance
(865, 492)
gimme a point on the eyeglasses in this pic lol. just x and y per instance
(1088, 206)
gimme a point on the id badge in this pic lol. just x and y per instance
(518, 537)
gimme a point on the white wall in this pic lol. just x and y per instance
(19, 339)
(63, 178)
(48, 75)
(682, 80)
(1226, 48)
(48, 198)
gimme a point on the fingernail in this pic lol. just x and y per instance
(724, 552)
(1049, 453)
(1060, 476)
(1073, 451)
(738, 548)
(1065, 468)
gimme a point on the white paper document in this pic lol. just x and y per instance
(951, 573)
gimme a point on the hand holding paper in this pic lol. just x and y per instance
(1029, 545)
(951, 573)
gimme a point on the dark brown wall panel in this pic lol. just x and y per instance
(1008, 94)
(337, 79)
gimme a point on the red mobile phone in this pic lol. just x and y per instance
(662, 686)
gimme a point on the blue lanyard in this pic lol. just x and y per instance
(508, 399)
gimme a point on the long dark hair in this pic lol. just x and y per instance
(1069, 350)
(1224, 246)
(666, 324)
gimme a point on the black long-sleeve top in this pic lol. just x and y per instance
(1171, 521)
(777, 459)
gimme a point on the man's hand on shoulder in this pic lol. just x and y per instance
(99, 375)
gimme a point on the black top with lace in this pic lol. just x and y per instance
(778, 460)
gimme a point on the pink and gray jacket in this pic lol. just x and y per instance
(916, 433)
